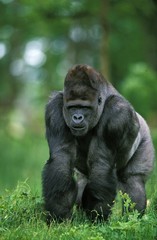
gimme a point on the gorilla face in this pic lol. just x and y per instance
(83, 99)
(81, 115)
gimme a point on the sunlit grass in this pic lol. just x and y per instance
(22, 217)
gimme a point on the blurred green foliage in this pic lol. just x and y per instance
(140, 88)
(23, 155)
(47, 37)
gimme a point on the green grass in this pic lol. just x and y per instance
(22, 217)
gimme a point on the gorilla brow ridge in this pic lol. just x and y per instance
(81, 93)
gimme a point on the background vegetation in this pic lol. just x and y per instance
(39, 42)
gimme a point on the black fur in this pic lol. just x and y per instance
(103, 146)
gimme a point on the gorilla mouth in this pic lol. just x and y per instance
(78, 128)
(78, 131)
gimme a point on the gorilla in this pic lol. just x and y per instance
(97, 144)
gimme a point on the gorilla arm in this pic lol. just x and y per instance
(121, 129)
(128, 135)
(59, 187)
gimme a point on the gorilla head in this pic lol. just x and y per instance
(83, 99)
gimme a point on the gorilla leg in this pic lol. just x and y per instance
(133, 176)
(99, 194)
(135, 188)
(81, 182)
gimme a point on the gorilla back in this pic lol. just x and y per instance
(94, 131)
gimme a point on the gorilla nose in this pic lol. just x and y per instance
(77, 118)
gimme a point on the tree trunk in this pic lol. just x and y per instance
(104, 53)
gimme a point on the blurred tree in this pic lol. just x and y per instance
(129, 40)
(140, 88)
(104, 49)
(40, 40)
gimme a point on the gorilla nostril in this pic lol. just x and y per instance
(77, 118)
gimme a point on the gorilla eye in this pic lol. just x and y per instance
(99, 100)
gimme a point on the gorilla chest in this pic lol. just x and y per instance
(82, 151)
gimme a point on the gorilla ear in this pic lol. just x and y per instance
(99, 100)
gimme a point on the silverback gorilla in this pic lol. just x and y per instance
(94, 131)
